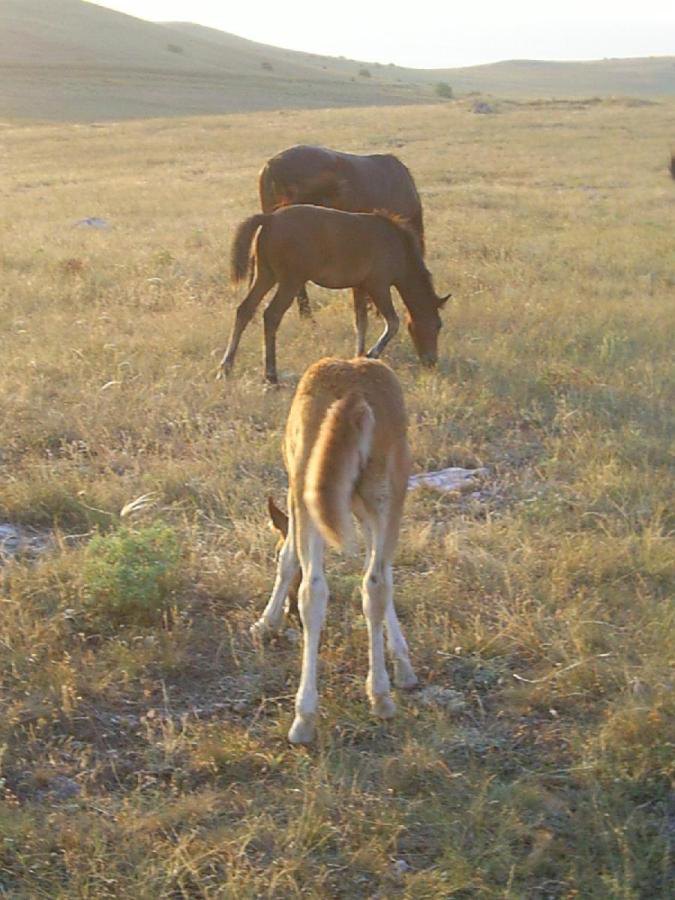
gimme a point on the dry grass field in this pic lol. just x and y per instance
(142, 734)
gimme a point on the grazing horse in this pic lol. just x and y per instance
(346, 451)
(368, 252)
(345, 181)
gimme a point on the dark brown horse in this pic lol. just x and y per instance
(345, 181)
(368, 252)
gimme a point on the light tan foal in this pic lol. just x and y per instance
(346, 452)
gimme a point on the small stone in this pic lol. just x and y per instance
(399, 867)
(64, 788)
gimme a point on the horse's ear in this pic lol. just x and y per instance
(278, 517)
(443, 300)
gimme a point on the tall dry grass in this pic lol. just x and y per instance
(150, 760)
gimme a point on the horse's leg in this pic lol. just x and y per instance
(304, 308)
(263, 282)
(360, 319)
(274, 313)
(381, 297)
(287, 569)
(377, 596)
(313, 601)
(404, 674)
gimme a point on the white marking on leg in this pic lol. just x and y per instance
(376, 590)
(287, 569)
(313, 599)
(404, 674)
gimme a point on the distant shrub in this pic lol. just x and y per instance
(365, 73)
(267, 66)
(443, 89)
(174, 48)
(672, 164)
(130, 574)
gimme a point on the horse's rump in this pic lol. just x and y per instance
(345, 181)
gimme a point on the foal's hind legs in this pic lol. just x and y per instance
(313, 599)
(272, 316)
(377, 598)
(378, 590)
(244, 314)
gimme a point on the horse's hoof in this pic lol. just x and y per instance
(383, 706)
(261, 631)
(404, 676)
(302, 730)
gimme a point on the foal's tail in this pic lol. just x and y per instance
(336, 462)
(240, 254)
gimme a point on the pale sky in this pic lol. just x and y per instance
(432, 33)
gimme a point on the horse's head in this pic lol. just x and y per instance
(424, 325)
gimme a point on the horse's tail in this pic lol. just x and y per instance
(274, 192)
(336, 462)
(266, 189)
(240, 255)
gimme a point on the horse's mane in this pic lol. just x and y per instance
(411, 240)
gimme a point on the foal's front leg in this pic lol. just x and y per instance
(287, 569)
(272, 316)
(360, 319)
(382, 301)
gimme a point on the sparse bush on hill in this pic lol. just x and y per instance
(174, 48)
(267, 66)
(364, 73)
(130, 574)
(443, 89)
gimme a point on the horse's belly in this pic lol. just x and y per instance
(337, 276)
(333, 283)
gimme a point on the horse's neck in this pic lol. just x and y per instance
(414, 289)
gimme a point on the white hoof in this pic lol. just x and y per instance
(404, 676)
(383, 706)
(261, 630)
(302, 730)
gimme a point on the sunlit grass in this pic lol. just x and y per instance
(146, 760)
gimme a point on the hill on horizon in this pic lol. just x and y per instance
(73, 61)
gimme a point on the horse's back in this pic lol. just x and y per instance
(331, 379)
(348, 181)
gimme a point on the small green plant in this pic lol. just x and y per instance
(443, 89)
(365, 73)
(131, 574)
